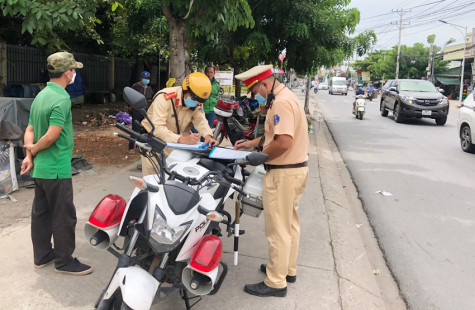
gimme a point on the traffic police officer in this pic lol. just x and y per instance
(175, 110)
(287, 144)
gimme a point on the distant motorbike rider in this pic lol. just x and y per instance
(370, 91)
(358, 92)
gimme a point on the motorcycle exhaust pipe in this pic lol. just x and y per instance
(101, 238)
(197, 282)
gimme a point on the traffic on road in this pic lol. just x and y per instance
(425, 219)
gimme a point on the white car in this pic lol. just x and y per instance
(323, 86)
(466, 124)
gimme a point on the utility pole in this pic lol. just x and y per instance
(400, 24)
(430, 63)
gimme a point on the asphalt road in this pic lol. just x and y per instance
(426, 229)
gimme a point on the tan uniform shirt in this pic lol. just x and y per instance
(163, 117)
(287, 117)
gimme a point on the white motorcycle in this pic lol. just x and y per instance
(360, 106)
(170, 225)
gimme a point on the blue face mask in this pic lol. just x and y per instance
(260, 98)
(190, 102)
(145, 81)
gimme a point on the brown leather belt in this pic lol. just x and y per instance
(269, 167)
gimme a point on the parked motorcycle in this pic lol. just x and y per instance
(360, 106)
(227, 125)
(170, 225)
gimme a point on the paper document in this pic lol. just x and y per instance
(197, 146)
(224, 153)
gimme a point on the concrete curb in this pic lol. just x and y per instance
(357, 256)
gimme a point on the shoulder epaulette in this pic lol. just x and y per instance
(170, 96)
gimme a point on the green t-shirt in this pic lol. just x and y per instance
(209, 104)
(52, 106)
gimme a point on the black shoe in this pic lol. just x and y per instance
(290, 279)
(262, 290)
(45, 262)
(75, 268)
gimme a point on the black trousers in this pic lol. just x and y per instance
(53, 215)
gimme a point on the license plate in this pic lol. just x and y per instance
(426, 112)
(339, 91)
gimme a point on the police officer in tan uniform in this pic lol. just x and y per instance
(175, 110)
(287, 144)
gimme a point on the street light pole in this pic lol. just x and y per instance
(463, 58)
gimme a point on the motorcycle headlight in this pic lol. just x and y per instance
(444, 101)
(407, 99)
(163, 233)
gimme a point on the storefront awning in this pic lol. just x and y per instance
(448, 80)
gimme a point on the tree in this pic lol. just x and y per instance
(44, 20)
(205, 17)
(312, 33)
(382, 63)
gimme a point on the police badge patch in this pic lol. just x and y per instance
(276, 119)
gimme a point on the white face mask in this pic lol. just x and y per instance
(74, 77)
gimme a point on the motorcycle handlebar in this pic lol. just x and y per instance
(129, 131)
(152, 143)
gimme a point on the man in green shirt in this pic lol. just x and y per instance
(49, 145)
(209, 104)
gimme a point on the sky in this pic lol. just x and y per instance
(421, 21)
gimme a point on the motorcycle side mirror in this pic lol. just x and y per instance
(256, 159)
(135, 99)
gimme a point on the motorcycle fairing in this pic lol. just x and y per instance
(137, 286)
(133, 209)
(180, 197)
(198, 228)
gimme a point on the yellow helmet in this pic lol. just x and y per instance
(198, 85)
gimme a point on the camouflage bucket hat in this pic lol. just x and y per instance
(62, 62)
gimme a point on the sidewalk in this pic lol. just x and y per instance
(337, 259)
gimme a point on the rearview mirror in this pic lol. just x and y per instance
(441, 90)
(135, 99)
(392, 89)
(256, 159)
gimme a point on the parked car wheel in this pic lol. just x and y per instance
(383, 110)
(466, 139)
(441, 120)
(397, 113)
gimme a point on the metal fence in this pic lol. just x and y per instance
(24, 66)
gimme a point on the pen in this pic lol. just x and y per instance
(242, 141)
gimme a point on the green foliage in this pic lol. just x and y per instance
(140, 30)
(431, 38)
(43, 19)
(413, 62)
(313, 33)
